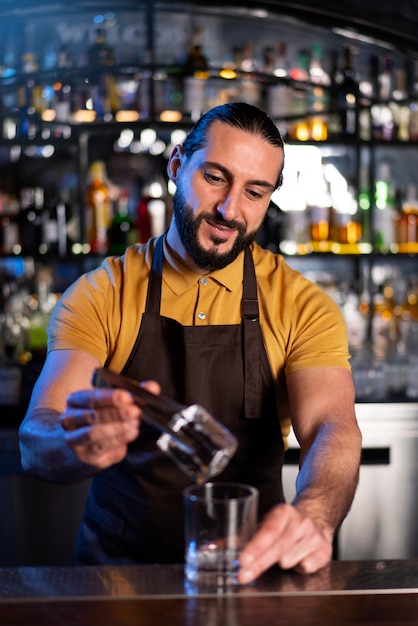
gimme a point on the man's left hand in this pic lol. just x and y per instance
(286, 538)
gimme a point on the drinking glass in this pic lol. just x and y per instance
(220, 519)
(200, 445)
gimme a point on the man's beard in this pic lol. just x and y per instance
(188, 228)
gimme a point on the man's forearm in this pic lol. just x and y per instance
(44, 452)
(328, 476)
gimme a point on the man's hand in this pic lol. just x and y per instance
(299, 535)
(286, 538)
(100, 423)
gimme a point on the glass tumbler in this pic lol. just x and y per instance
(200, 445)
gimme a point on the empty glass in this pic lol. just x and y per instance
(220, 519)
(191, 437)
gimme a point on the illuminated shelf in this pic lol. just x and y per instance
(333, 247)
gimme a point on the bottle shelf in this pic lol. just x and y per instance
(327, 247)
(41, 107)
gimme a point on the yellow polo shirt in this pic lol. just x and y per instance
(301, 325)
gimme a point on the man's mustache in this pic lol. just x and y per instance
(218, 220)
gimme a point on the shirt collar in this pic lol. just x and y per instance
(180, 278)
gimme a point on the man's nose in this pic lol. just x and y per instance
(229, 207)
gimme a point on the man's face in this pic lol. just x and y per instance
(223, 192)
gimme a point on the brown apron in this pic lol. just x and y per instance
(134, 510)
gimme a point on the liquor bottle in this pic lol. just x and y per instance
(355, 319)
(62, 102)
(196, 59)
(250, 87)
(29, 63)
(384, 323)
(147, 100)
(386, 78)
(100, 54)
(10, 368)
(410, 304)
(43, 302)
(9, 224)
(143, 221)
(269, 59)
(368, 99)
(369, 85)
(31, 208)
(300, 67)
(384, 212)
(413, 122)
(384, 110)
(50, 57)
(98, 208)
(317, 72)
(121, 233)
(320, 222)
(280, 63)
(103, 90)
(300, 74)
(11, 41)
(319, 97)
(348, 94)
(406, 223)
(196, 75)
(364, 203)
(49, 227)
(400, 106)
(28, 97)
(279, 95)
(72, 220)
(64, 59)
(55, 240)
(272, 230)
(412, 89)
(334, 115)
(157, 212)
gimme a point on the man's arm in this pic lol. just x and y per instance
(300, 535)
(71, 430)
(325, 425)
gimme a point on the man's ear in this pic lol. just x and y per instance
(174, 163)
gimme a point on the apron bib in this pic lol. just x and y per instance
(134, 512)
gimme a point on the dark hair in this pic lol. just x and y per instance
(240, 114)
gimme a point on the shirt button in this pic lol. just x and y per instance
(203, 281)
(201, 315)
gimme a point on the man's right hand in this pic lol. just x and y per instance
(100, 423)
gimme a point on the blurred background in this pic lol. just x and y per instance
(94, 95)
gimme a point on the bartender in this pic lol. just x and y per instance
(206, 316)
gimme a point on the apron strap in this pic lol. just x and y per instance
(154, 283)
(252, 341)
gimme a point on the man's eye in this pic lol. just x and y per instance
(213, 178)
(254, 194)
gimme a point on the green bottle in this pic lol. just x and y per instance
(121, 233)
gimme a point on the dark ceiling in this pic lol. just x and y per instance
(391, 21)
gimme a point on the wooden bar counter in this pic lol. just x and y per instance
(378, 593)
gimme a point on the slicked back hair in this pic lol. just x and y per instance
(241, 115)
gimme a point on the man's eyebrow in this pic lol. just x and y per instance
(227, 174)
